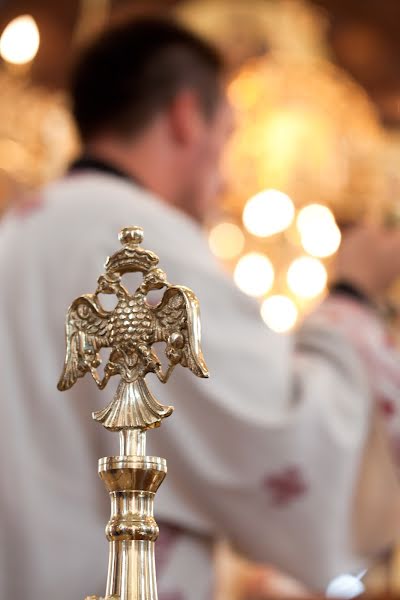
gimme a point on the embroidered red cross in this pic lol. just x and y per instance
(286, 486)
(387, 407)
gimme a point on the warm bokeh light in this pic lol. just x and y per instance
(320, 236)
(254, 274)
(307, 277)
(267, 213)
(313, 215)
(322, 242)
(20, 40)
(244, 92)
(226, 240)
(279, 313)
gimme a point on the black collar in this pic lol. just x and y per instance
(90, 163)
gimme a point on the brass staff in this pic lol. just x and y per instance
(130, 330)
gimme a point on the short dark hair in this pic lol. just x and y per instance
(132, 71)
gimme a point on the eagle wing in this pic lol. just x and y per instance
(179, 313)
(86, 330)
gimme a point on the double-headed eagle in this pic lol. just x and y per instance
(130, 330)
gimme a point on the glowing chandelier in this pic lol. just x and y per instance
(307, 152)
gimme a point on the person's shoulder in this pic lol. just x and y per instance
(112, 203)
(91, 191)
(100, 192)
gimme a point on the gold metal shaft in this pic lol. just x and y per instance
(132, 482)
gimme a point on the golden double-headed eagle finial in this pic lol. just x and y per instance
(130, 330)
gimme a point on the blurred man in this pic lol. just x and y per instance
(281, 451)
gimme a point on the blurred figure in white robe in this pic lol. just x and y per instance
(288, 451)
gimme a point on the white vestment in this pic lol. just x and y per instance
(283, 451)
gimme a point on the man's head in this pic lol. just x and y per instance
(149, 96)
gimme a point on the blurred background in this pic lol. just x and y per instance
(316, 90)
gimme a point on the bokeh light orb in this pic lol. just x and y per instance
(322, 242)
(279, 313)
(313, 215)
(307, 277)
(254, 274)
(319, 234)
(226, 240)
(268, 212)
(20, 40)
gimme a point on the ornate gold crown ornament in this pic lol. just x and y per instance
(130, 330)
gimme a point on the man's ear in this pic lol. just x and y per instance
(186, 120)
